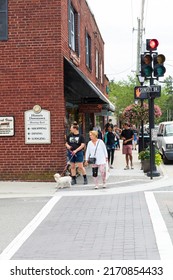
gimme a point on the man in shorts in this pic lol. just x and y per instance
(127, 136)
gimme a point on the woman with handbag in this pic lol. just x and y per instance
(97, 153)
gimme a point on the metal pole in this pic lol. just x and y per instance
(142, 24)
(153, 171)
(138, 49)
(151, 125)
(142, 126)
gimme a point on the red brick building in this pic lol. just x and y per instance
(51, 73)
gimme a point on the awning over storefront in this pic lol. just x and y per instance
(79, 89)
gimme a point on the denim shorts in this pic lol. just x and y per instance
(78, 157)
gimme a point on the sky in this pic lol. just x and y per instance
(118, 22)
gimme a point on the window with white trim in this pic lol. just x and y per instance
(97, 64)
(74, 29)
(72, 35)
(101, 72)
(88, 50)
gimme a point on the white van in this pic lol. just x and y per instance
(165, 140)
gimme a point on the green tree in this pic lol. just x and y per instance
(165, 102)
(122, 94)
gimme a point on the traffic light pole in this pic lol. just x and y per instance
(153, 171)
(142, 127)
(152, 65)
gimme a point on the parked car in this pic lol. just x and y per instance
(165, 141)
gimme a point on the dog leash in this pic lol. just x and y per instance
(68, 162)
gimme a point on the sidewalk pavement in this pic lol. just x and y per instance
(118, 177)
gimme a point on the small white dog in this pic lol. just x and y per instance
(62, 182)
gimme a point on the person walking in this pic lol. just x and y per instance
(117, 132)
(75, 145)
(109, 139)
(96, 148)
(98, 129)
(108, 124)
(135, 139)
(127, 136)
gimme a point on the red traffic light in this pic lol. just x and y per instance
(151, 44)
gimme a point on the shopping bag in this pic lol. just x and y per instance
(107, 171)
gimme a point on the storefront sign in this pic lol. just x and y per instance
(37, 126)
(6, 126)
(90, 108)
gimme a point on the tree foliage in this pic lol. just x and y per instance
(165, 102)
(122, 96)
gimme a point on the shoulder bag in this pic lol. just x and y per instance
(92, 160)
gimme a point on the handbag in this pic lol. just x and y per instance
(92, 160)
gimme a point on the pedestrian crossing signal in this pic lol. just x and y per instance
(141, 92)
(145, 92)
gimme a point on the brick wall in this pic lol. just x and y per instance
(87, 22)
(31, 72)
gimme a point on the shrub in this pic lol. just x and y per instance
(144, 155)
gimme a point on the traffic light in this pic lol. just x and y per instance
(146, 65)
(151, 44)
(159, 68)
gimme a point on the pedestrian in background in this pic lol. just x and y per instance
(109, 124)
(117, 132)
(75, 145)
(127, 136)
(98, 129)
(110, 142)
(135, 139)
(96, 148)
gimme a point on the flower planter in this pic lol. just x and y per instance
(144, 156)
(146, 165)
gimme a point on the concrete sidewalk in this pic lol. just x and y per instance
(118, 177)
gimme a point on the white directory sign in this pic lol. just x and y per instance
(37, 127)
(6, 126)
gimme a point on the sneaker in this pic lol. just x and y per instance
(126, 168)
(104, 185)
(85, 181)
(96, 187)
(73, 181)
(111, 167)
(132, 167)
